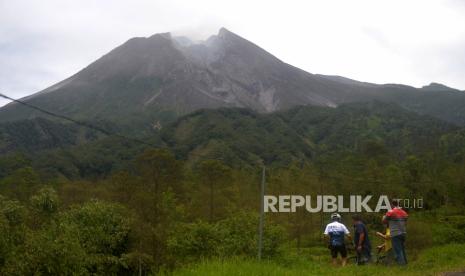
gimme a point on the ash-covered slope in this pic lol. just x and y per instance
(146, 76)
(150, 79)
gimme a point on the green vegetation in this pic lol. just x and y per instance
(188, 205)
(431, 262)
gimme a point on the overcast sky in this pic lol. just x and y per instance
(409, 42)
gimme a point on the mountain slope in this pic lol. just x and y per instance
(241, 136)
(41, 134)
(158, 78)
(148, 75)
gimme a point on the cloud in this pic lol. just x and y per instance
(411, 42)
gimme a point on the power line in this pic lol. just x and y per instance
(74, 121)
(106, 132)
(90, 126)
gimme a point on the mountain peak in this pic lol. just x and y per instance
(437, 87)
(166, 35)
(224, 32)
(149, 77)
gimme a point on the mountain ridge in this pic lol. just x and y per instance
(147, 79)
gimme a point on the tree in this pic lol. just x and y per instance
(21, 183)
(12, 226)
(153, 198)
(213, 173)
(159, 170)
(88, 239)
(103, 228)
(45, 201)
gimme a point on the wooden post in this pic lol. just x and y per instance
(262, 215)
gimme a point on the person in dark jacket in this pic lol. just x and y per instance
(361, 241)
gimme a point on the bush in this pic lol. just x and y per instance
(86, 240)
(103, 228)
(193, 241)
(233, 236)
(13, 211)
(48, 252)
(45, 201)
(419, 235)
(240, 236)
(449, 230)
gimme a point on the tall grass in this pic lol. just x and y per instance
(432, 261)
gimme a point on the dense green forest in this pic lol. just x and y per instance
(75, 201)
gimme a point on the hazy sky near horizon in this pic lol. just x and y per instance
(411, 42)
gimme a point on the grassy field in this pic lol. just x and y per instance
(433, 261)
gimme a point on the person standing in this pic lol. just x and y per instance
(396, 218)
(361, 241)
(336, 232)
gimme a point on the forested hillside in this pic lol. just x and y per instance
(89, 204)
(306, 133)
(241, 137)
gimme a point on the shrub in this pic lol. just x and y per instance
(45, 201)
(233, 236)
